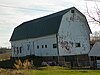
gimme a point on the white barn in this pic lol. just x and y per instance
(59, 34)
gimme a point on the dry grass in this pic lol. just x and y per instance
(11, 72)
(23, 65)
(5, 56)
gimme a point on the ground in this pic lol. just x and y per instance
(49, 72)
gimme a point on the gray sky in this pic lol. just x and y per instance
(15, 12)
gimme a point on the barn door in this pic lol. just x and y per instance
(30, 48)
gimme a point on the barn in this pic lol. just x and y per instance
(94, 55)
(58, 36)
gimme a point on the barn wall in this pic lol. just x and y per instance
(73, 31)
(49, 51)
(26, 45)
(29, 47)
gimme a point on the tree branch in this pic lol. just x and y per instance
(91, 16)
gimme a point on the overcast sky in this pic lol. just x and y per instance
(15, 12)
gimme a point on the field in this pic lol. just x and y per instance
(5, 61)
(64, 72)
(49, 72)
(5, 56)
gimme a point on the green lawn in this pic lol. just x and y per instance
(63, 72)
(48, 72)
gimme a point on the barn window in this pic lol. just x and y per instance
(37, 46)
(17, 50)
(45, 46)
(72, 11)
(98, 58)
(20, 49)
(54, 57)
(78, 45)
(54, 45)
(42, 46)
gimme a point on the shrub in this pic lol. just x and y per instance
(23, 65)
(27, 64)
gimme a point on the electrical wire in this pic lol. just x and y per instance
(25, 8)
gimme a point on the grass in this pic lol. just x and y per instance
(5, 56)
(57, 70)
(5, 61)
(49, 70)
(65, 72)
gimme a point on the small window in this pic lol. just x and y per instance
(72, 11)
(37, 46)
(45, 46)
(17, 50)
(98, 58)
(77, 45)
(20, 49)
(54, 45)
(53, 57)
(42, 46)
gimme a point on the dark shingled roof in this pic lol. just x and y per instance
(39, 27)
(43, 26)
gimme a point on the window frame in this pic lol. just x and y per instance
(20, 49)
(45, 46)
(42, 46)
(73, 11)
(77, 44)
(37, 46)
(54, 45)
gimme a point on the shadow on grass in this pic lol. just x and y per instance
(7, 64)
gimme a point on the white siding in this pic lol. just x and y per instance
(49, 51)
(29, 46)
(73, 30)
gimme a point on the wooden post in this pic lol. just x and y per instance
(77, 60)
(94, 62)
(90, 61)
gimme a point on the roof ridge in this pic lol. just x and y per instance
(50, 15)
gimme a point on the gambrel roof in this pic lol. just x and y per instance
(43, 26)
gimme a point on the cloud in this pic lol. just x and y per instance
(93, 0)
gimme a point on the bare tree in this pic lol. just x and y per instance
(95, 37)
(96, 16)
